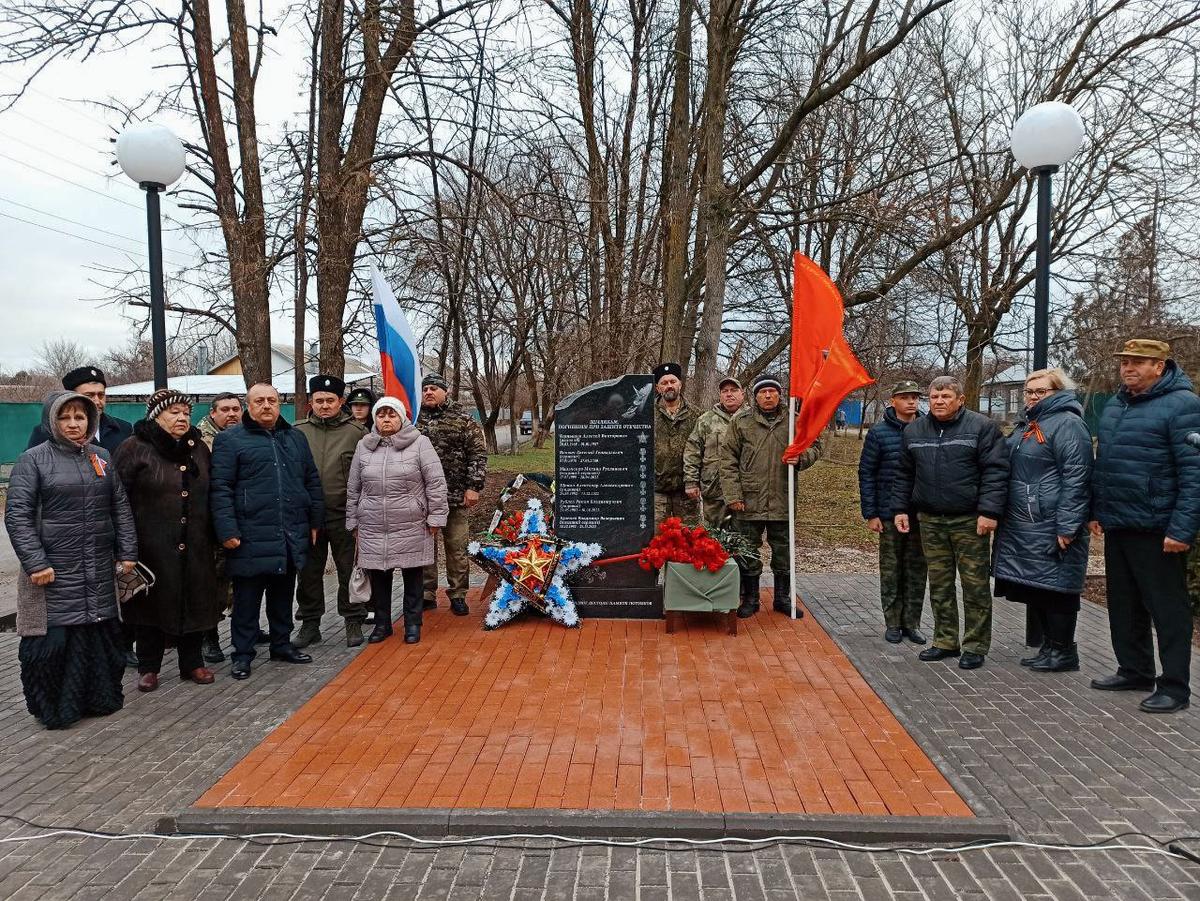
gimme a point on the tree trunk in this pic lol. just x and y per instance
(676, 191)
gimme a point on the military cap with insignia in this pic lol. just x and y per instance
(362, 396)
(83, 375)
(330, 383)
(1145, 348)
(907, 386)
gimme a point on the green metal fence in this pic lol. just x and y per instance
(17, 421)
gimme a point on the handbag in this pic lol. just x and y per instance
(138, 580)
(360, 584)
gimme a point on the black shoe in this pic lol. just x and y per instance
(936, 653)
(1058, 660)
(130, 660)
(291, 655)
(1043, 651)
(310, 633)
(412, 634)
(354, 636)
(970, 660)
(429, 604)
(240, 671)
(747, 608)
(915, 636)
(211, 648)
(459, 607)
(1161, 702)
(894, 634)
(381, 631)
(781, 601)
(1117, 682)
(262, 638)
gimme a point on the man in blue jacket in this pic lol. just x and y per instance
(267, 506)
(901, 561)
(1146, 502)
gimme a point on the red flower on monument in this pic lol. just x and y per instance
(676, 543)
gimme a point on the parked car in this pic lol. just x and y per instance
(527, 423)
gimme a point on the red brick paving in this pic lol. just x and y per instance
(615, 715)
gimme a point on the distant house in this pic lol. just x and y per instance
(227, 376)
(1001, 398)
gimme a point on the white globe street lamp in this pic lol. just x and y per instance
(153, 157)
(1044, 138)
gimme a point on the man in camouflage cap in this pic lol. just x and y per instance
(459, 443)
(674, 419)
(1146, 502)
(901, 561)
(702, 453)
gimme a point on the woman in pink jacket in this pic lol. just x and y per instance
(395, 505)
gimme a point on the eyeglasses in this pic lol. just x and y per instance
(1038, 392)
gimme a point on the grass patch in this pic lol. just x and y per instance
(827, 509)
(529, 459)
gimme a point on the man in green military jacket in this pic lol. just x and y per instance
(674, 419)
(702, 454)
(754, 480)
(332, 435)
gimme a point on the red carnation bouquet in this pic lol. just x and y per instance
(676, 543)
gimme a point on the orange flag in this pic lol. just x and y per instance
(823, 367)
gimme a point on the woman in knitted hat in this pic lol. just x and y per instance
(395, 505)
(165, 467)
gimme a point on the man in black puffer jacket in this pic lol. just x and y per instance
(1146, 502)
(953, 477)
(267, 506)
(901, 561)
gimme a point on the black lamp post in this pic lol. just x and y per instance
(1043, 139)
(153, 157)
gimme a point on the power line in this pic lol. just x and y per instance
(68, 181)
(27, 88)
(68, 234)
(118, 235)
(62, 159)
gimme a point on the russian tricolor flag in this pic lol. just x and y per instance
(397, 348)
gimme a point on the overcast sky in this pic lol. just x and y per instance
(56, 160)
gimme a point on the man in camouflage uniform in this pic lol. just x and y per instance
(459, 443)
(754, 481)
(332, 435)
(953, 477)
(674, 419)
(702, 454)
(901, 561)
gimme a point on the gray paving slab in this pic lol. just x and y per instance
(1045, 753)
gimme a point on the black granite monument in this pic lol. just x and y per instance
(604, 491)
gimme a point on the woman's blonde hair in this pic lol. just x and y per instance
(1059, 380)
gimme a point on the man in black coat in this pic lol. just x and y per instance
(267, 506)
(901, 560)
(953, 477)
(90, 382)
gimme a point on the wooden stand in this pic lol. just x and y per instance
(670, 617)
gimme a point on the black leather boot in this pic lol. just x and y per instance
(383, 622)
(1039, 614)
(782, 602)
(1063, 656)
(749, 596)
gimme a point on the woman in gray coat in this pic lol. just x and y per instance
(395, 505)
(71, 527)
(1041, 548)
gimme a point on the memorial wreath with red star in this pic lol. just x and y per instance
(527, 565)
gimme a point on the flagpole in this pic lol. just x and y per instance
(792, 509)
